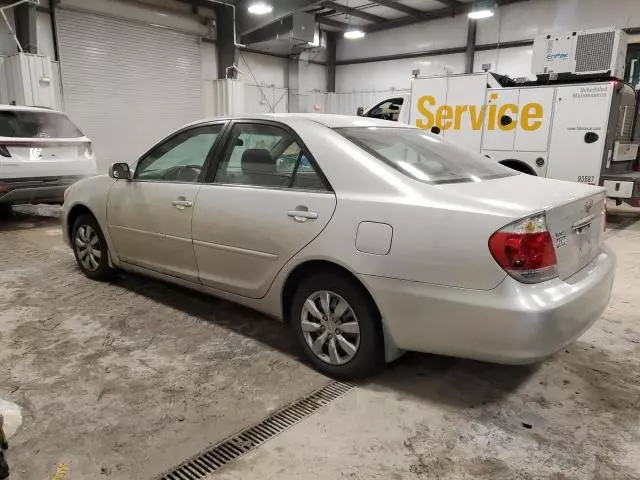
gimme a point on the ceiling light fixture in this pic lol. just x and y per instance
(353, 34)
(479, 14)
(260, 8)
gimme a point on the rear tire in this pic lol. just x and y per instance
(90, 248)
(5, 210)
(345, 342)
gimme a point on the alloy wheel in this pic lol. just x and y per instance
(88, 247)
(330, 327)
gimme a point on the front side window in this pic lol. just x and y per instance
(32, 124)
(424, 156)
(181, 158)
(266, 156)
(387, 109)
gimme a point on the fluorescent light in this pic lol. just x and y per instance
(260, 8)
(478, 14)
(354, 34)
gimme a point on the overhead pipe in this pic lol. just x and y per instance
(233, 7)
(6, 20)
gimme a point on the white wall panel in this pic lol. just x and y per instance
(260, 69)
(525, 20)
(393, 74)
(319, 99)
(514, 62)
(315, 77)
(126, 84)
(209, 55)
(265, 99)
(223, 98)
(445, 33)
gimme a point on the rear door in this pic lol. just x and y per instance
(267, 201)
(579, 131)
(39, 143)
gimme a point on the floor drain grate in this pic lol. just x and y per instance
(247, 440)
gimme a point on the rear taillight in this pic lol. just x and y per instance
(524, 249)
(85, 150)
(4, 151)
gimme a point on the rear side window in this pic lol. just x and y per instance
(424, 156)
(24, 124)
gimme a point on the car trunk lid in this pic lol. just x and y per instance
(575, 213)
(577, 229)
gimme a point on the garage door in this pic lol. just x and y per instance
(126, 84)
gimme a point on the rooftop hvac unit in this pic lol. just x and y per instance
(595, 52)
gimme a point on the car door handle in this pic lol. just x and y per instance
(181, 203)
(302, 215)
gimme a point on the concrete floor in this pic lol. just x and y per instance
(128, 379)
(575, 416)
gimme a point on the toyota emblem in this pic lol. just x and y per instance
(588, 206)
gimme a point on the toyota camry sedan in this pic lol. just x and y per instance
(369, 238)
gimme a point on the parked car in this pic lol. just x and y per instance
(381, 238)
(41, 153)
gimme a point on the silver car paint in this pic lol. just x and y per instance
(439, 250)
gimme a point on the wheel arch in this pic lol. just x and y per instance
(519, 166)
(311, 267)
(76, 211)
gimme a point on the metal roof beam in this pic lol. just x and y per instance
(332, 23)
(354, 12)
(430, 15)
(413, 12)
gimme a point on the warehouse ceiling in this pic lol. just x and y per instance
(267, 32)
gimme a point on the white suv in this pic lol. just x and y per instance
(41, 153)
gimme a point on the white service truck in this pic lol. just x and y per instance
(566, 125)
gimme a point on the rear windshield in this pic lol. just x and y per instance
(25, 124)
(424, 156)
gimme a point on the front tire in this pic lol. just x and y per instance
(90, 248)
(338, 327)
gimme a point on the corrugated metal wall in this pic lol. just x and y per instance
(127, 84)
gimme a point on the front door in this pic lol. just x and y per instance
(149, 217)
(267, 201)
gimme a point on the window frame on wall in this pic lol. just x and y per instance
(224, 144)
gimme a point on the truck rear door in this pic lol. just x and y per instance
(579, 131)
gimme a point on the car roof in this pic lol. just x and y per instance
(20, 108)
(326, 119)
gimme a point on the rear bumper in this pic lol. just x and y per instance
(513, 323)
(35, 190)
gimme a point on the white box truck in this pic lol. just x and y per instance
(574, 127)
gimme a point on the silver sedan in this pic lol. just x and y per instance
(370, 238)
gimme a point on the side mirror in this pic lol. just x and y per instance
(120, 171)
(360, 111)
